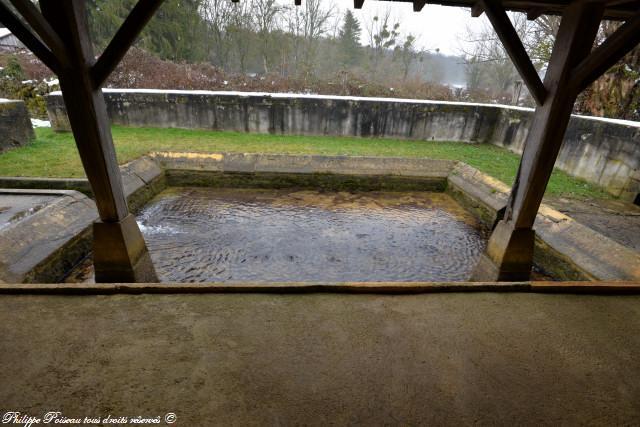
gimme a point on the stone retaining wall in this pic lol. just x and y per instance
(603, 152)
(15, 124)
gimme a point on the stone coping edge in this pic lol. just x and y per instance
(393, 288)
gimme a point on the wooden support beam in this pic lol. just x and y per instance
(512, 43)
(535, 13)
(477, 10)
(418, 5)
(612, 50)
(509, 253)
(34, 18)
(120, 253)
(357, 4)
(139, 16)
(28, 38)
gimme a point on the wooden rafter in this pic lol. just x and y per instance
(512, 43)
(49, 37)
(613, 49)
(477, 10)
(534, 14)
(28, 38)
(122, 41)
(614, 9)
(418, 5)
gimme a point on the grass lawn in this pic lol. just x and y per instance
(55, 155)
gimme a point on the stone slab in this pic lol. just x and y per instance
(15, 124)
(47, 237)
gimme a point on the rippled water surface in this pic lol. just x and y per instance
(204, 234)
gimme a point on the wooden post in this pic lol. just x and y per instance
(509, 252)
(120, 252)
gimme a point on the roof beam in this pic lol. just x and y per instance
(613, 49)
(512, 43)
(126, 35)
(534, 13)
(418, 5)
(36, 21)
(25, 35)
(477, 10)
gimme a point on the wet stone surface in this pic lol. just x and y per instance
(617, 219)
(203, 234)
(15, 207)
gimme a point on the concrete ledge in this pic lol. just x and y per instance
(142, 178)
(564, 247)
(322, 287)
(250, 170)
(324, 181)
(305, 164)
(76, 184)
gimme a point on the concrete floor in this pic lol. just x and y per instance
(317, 359)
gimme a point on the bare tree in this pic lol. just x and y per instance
(217, 14)
(307, 23)
(408, 54)
(240, 31)
(487, 61)
(266, 15)
(383, 33)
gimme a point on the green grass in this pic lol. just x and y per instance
(55, 155)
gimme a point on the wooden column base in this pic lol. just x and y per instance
(508, 257)
(120, 254)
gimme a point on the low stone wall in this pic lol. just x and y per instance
(15, 124)
(600, 151)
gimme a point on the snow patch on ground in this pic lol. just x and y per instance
(37, 123)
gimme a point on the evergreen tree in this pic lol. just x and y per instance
(175, 32)
(349, 40)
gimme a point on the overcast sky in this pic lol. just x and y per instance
(435, 26)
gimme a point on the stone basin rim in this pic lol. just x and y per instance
(389, 288)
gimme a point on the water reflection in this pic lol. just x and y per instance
(203, 234)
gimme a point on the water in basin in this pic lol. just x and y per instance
(204, 234)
